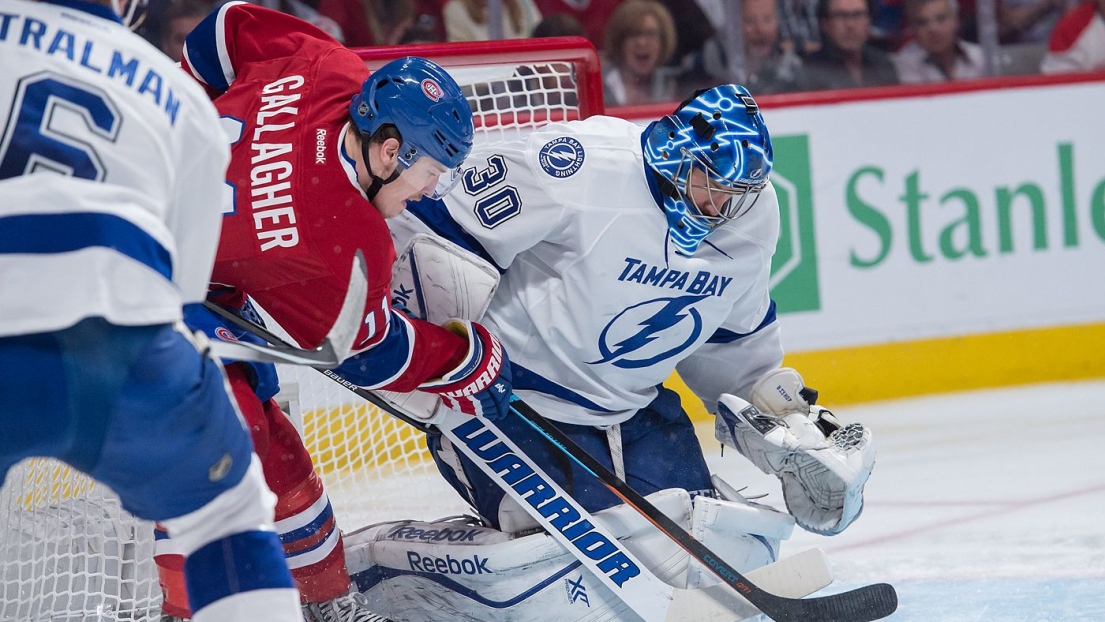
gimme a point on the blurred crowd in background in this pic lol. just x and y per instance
(661, 50)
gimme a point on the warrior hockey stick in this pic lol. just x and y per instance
(335, 347)
(868, 603)
(519, 477)
(871, 602)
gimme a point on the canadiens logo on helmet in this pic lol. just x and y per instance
(432, 89)
(561, 157)
(225, 334)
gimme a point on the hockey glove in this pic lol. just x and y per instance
(782, 391)
(481, 384)
(822, 465)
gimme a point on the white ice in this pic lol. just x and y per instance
(983, 506)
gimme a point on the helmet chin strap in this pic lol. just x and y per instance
(377, 181)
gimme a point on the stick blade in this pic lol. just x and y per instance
(865, 604)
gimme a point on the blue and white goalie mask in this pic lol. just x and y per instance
(713, 157)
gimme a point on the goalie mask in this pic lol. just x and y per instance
(428, 108)
(721, 133)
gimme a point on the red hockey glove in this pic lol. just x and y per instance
(481, 384)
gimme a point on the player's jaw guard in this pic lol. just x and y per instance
(719, 131)
(425, 104)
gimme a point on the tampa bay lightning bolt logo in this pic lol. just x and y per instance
(561, 157)
(641, 335)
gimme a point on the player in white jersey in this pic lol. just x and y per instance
(627, 255)
(111, 193)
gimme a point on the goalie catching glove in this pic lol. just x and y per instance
(480, 384)
(823, 465)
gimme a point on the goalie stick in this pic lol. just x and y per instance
(495, 454)
(865, 604)
(335, 347)
(871, 602)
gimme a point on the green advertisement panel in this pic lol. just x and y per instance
(794, 274)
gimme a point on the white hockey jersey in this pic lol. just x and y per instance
(595, 308)
(112, 165)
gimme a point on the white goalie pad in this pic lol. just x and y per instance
(436, 280)
(822, 476)
(479, 573)
(745, 534)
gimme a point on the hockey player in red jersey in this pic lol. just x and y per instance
(320, 156)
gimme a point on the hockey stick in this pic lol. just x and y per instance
(871, 602)
(562, 517)
(335, 347)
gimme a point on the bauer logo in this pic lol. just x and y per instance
(794, 273)
(561, 157)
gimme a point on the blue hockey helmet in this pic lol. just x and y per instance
(719, 131)
(424, 103)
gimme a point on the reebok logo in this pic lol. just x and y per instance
(320, 146)
(434, 535)
(447, 564)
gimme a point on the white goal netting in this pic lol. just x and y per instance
(69, 553)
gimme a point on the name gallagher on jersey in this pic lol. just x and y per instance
(271, 203)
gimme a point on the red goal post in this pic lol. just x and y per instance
(514, 83)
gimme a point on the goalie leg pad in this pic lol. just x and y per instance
(747, 535)
(478, 573)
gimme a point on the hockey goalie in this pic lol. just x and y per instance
(623, 257)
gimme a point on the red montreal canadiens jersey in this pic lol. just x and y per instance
(283, 89)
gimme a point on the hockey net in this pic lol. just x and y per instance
(69, 552)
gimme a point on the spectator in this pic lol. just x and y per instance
(424, 30)
(593, 14)
(768, 66)
(936, 53)
(389, 20)
(798, 29)
(1029, 21)
(558, 25)
(696, 22)
(1078, 42)
(351, 16)
(466, 20)
(183, 16)
(307, 13)
(887, 24)
(640, 38)
(846, 59)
